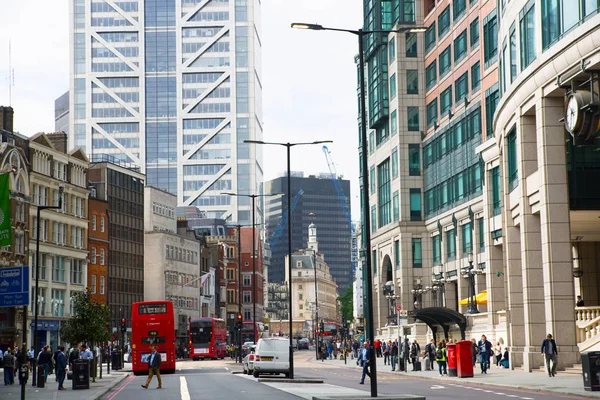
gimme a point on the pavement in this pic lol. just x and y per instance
(563, 383)
(50, 391)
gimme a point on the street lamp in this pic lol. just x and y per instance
(360, 33)
(40, 208)
(288, 146)
(418, 294)
(253, 197)
(470, 273)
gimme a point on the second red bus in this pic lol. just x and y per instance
(208, 338)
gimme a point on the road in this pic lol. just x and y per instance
(214, 380)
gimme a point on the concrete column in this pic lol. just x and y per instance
(555, 230)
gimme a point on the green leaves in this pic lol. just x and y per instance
(89, 321)
(347, 309)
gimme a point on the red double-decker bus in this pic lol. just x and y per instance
(251, 332)
(152, 324)
(208, 338)
(331, 331)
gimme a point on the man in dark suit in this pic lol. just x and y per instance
(364, 358)
(61, 367)
(153, 368)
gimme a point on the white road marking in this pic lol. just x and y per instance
(511, 395)
(526, 398)
(185, 395)
(437, 387)
(226, 369)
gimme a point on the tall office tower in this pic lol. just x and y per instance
(172, 86)
(430, 103)
(61, 113)
(319, 203)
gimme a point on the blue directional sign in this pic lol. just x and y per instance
(14, 286)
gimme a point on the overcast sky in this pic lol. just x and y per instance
(309, 78)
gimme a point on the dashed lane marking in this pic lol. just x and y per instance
(185, 394)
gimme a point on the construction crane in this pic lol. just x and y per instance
(284, 220)
(345, 204)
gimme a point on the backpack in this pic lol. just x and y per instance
(439, 354)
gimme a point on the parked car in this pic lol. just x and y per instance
(245, 348)
(303, 344)
(271, 355)
(248, 361)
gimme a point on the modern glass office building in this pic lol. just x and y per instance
(172, 86)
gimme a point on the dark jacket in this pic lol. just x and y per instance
(394, 350)
(9, 361)
(546, 345)
(45, 358)
(155, 362)
(61, 361)
(484, 346)
(404, 350)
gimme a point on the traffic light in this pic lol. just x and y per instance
(238, 322)
(322, 327)
(123, 325)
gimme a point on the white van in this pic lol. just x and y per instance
(272, 355)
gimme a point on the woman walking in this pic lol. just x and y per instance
(440, 357)
(498, 354)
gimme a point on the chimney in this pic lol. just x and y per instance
(6, 118)
(58, 140)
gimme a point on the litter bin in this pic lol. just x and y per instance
(41, 376)
(81, 374)
(590, 365)
(451, 354)
(464, 359)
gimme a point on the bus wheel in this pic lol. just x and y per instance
(256, 374)
(195, 358)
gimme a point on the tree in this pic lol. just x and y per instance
(347, 301)
(89, 321)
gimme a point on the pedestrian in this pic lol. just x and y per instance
(44, 359)
(580, 302)
(485, 349)
(8, 363)
(415, 350)
(61, 367)
(474, 350)
(31, 355)
(154, 369)
(430, 353)
(386, 353)
(85, 353)
(440, 357)
(54, 362)
(404, 355)
(549, 352)
(394, 354)
(356, 348)
(498, 354)
(378, 348)
(365, 360)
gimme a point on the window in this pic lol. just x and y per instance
(430, 37)
(445, 62)
(414, 160)
(460, 46)
(371, 142)
(101, 256)
(415, 204)
(551, 28)
(458, 9)
(393, 86)
(392, 49)
(446, 100)
(230, 274)
(436, 246)
(461, 88)
(58, 269)
(373, 219)
(513, 52)
(247, 280)
(432, 113)
(93, 222)
(444, 22)
(451, 244)
(77, 272)
(374, 261)
(412, 81)
(372, 179)
(383, 193)
(381, 135)
(413, 119)
(396, 206)
(247, 297)
(93, 288)
(474, 32)
(394, 122)
(475, 76)
(102, 285)
(431, 74)
(490, 39)
(513, 171)
(93, 258)
(397, 253)
(101, 224)
(481, 235)
(411, 45)
(467, 239)
(58, 303)
(417, 253)
(492, 97)
(496, 190)
(395, 162)
(231, 296)
(527, 34)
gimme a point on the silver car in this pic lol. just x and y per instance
(248, 361)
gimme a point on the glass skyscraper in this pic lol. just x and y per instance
(173, 87)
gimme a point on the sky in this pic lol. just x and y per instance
(309, 78)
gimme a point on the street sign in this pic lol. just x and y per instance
(403, 314)
(398, 308)
(14, 286)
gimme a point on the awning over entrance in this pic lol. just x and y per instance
(481, 298)
(442, 317)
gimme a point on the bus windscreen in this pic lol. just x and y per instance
(152, 309)
(201, 332)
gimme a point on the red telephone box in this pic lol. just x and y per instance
(464, 359)
(451, 353)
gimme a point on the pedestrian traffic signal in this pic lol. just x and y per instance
(123, 325)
